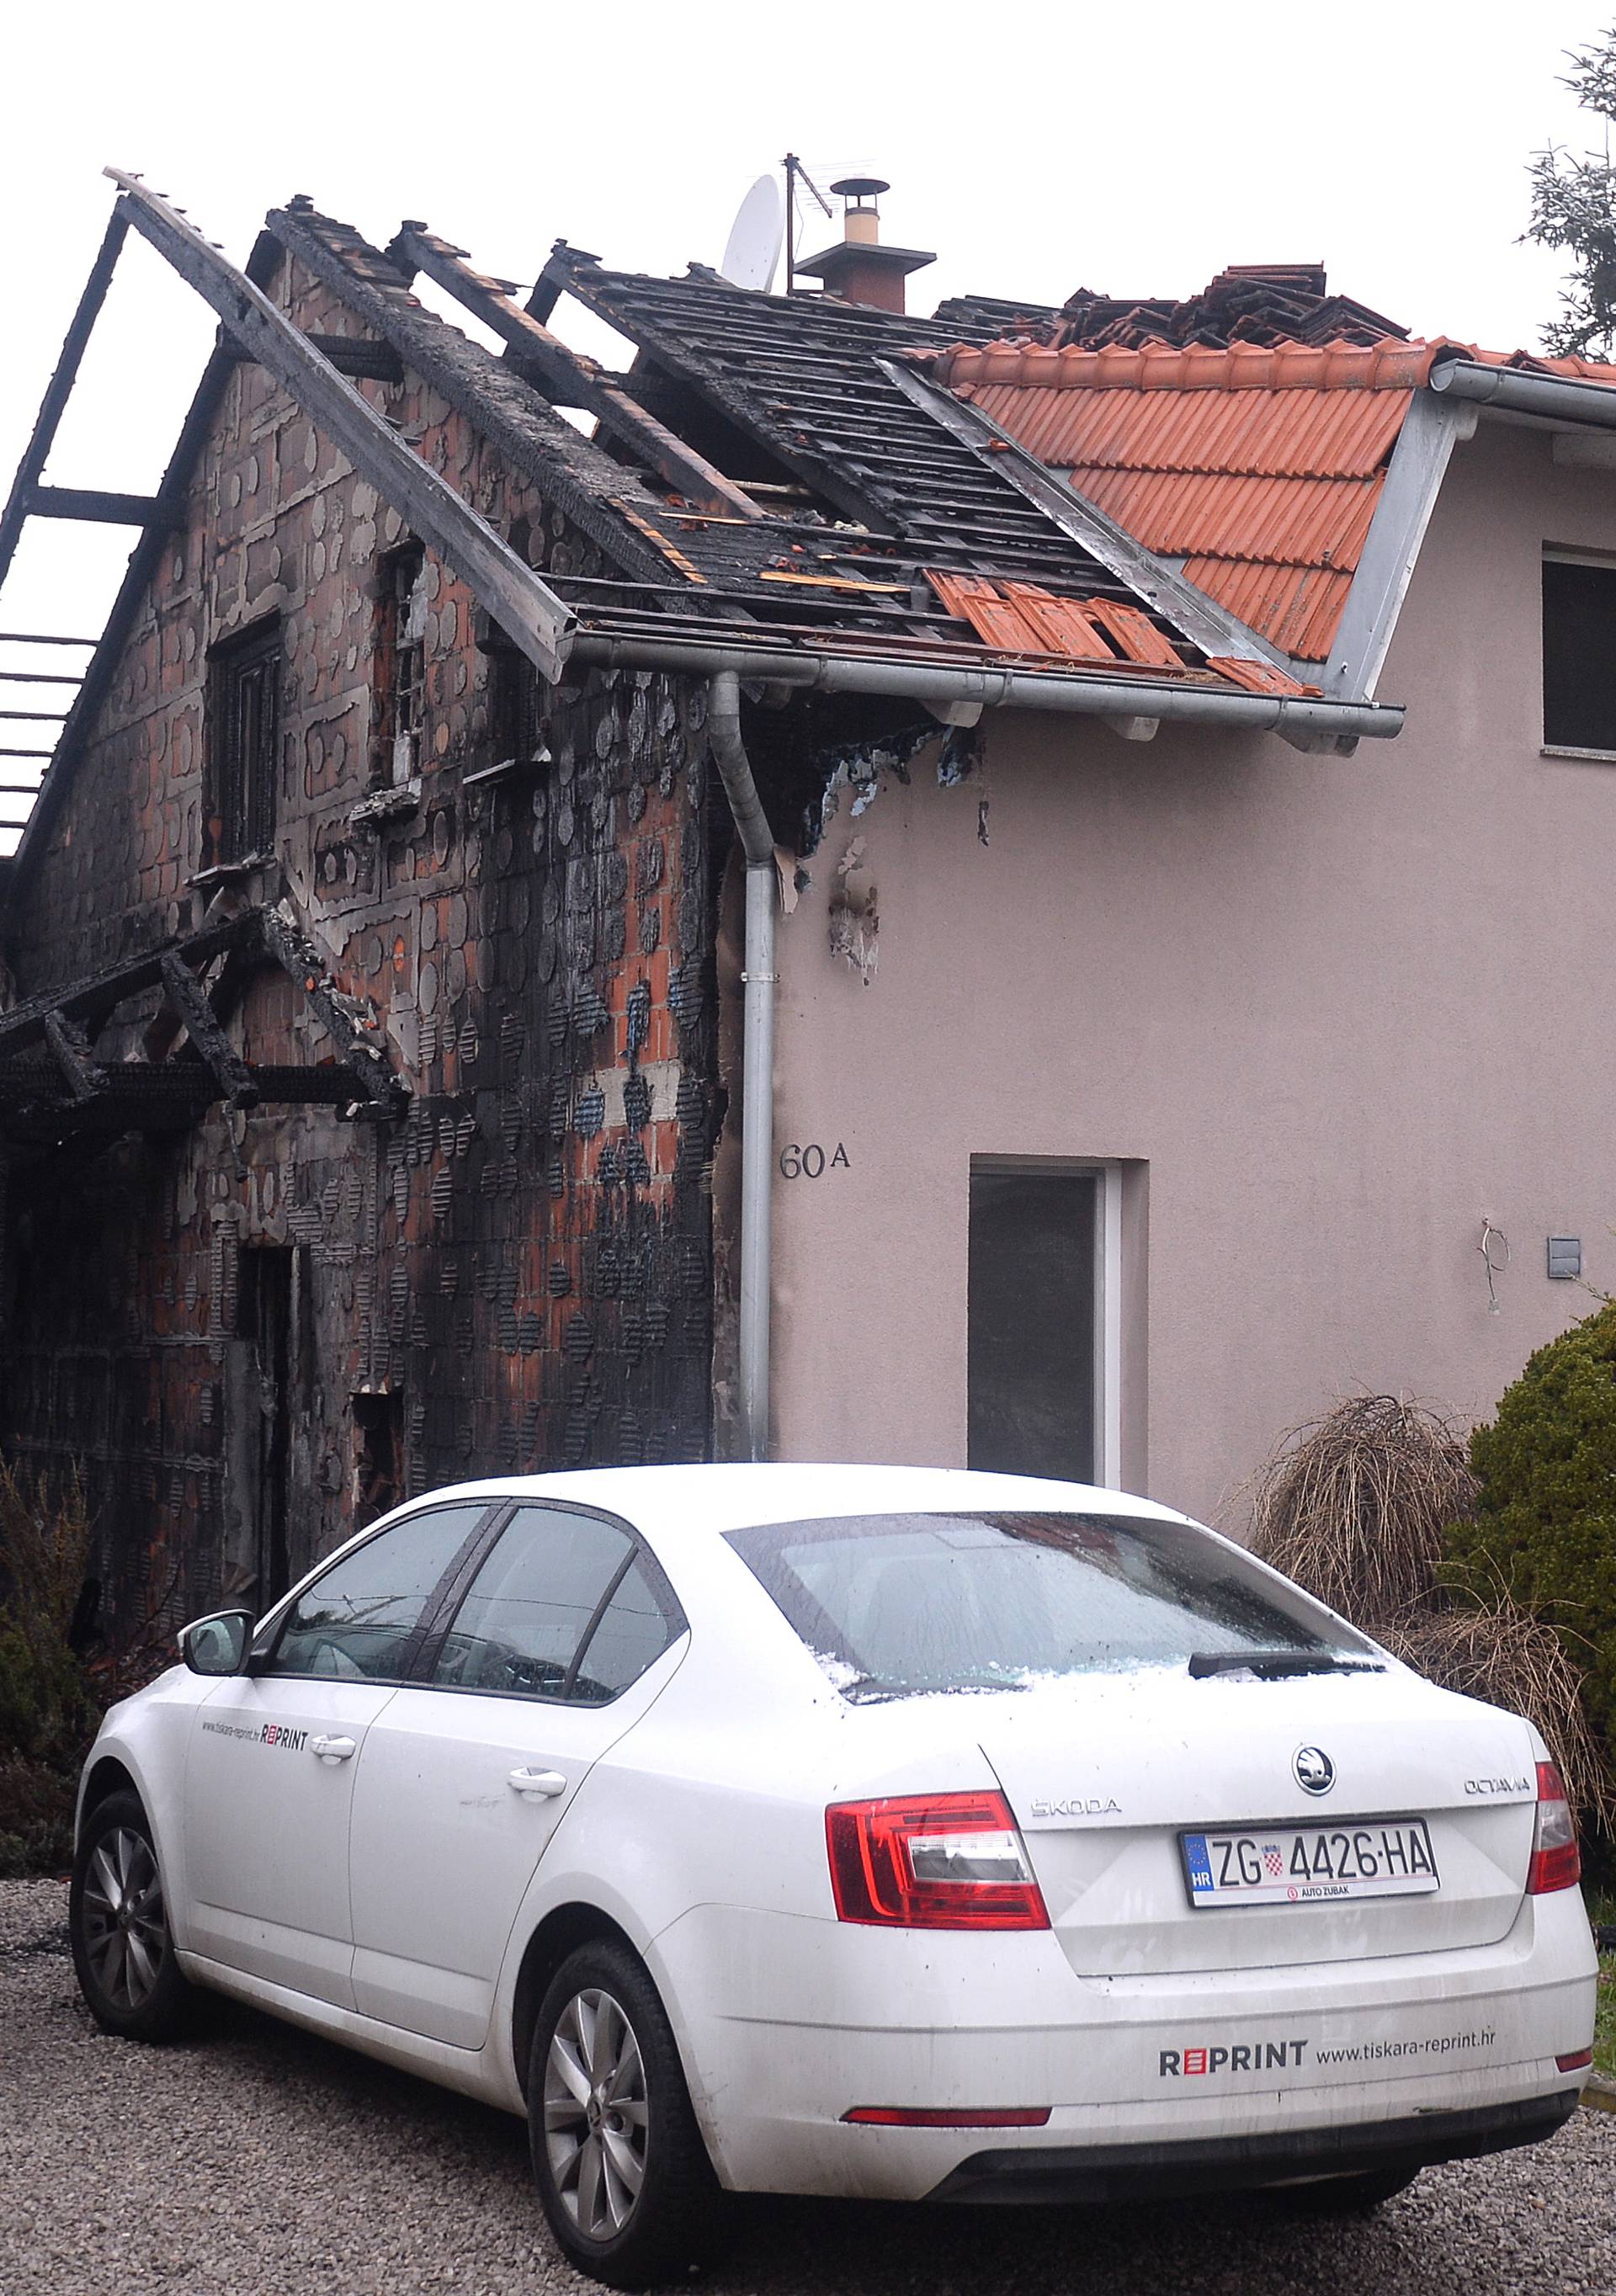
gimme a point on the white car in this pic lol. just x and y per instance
(867, 1831)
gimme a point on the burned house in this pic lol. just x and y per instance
(580, 918)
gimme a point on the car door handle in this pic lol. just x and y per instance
(332, 1749)
(539, 1785)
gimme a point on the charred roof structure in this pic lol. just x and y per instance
(381, 982)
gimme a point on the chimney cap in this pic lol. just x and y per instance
(860, 187)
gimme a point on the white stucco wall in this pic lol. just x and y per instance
(1342, 1009)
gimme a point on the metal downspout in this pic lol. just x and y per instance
(758, 1059)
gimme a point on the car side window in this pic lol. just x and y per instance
(534, 1600)
(632, 1630)
(356, 1620)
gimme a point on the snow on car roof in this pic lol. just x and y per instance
(721, 1497)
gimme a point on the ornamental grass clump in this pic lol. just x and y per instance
(1354, 1506)
(1363, 1507)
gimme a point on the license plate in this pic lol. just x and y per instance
(1309, 1864)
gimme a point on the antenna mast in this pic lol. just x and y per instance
(793, 169)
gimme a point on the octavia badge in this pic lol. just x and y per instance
(1315, 1771)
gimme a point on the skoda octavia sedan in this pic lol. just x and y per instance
(907, 1834)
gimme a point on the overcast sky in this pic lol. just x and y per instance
(1037, 148)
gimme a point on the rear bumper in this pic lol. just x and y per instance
(788, 2024)
(1133, 2172)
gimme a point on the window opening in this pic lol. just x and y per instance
(1034, 1323)
(245, 724)
(1578, 655)
(401, 669)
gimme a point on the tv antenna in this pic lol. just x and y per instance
(796, 172)
(752, 250)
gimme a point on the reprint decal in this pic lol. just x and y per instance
(261, 1733)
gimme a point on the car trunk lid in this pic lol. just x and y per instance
(1105, 1775)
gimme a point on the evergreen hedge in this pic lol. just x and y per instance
(1544, 1530)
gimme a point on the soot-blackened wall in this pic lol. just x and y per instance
(515, 1275)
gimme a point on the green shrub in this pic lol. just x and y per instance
(1544, 1530)
(47, 1707)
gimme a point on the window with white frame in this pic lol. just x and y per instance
(1578, 653)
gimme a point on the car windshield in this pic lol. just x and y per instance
(896, 1604)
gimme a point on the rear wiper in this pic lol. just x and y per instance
(1270, 1664)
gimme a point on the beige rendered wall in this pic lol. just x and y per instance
(1342, 1009)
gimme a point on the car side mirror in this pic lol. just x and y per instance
(218, 1644)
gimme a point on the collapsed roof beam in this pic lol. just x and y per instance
(352, 1028)
(192, 1006)
(524, 606)
(58, 390)
(571, 380)
(93, 998)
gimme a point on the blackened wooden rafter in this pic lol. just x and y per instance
(58, 391)
(524, 605)
(570, 379)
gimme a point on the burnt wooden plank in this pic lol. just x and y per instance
(354, 356)
(99, 506)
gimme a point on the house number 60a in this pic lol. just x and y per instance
(812, 1161)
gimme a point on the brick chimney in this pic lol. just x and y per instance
(859, 269)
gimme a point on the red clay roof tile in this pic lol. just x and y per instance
(1258, 465)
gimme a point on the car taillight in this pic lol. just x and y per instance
(1557, 1860)
(932, 1862)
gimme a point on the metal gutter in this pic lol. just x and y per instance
(1303, 722)
(1431, 429)
(1558, 396)
(759, 976)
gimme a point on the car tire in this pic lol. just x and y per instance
(621, 2166)
(1346, 2196)
(123, 1948)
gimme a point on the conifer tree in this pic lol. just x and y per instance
(1574, 207)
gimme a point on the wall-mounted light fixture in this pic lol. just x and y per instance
(1494, 1249)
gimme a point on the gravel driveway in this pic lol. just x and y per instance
(258, 2161)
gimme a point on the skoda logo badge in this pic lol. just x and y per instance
(1315, 1771)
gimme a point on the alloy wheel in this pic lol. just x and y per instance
(125, 1926)
(596, 2114)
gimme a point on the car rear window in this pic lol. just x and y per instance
(894, 1604)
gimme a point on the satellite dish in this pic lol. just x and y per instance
(753, 251)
